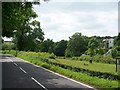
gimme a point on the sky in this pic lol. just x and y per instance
(60, 19)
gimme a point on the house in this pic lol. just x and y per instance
(108, 42)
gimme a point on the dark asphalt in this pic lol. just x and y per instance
(17, 73)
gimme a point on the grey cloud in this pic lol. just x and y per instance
(88, 18)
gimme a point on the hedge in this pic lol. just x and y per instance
(104, 75)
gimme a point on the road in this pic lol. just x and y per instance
(17, 73)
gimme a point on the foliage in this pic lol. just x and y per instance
(60, 48)
(84, 58)
(98, 58)
(68, 53)
(92, 45)
(97, 67)
(117, 40)
(84, 69)
(47, 46)
(101, 51)
(52, 56)
(76, 45)
(15, 14)
(17, 23)
(13, 52)
(8, 46)
(115, 52)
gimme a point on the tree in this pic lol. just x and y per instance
(14, 15)
(117, 40)
(92, 46)
(77, 45)
(93, 43)
(17, 17)
(31, 37)
(115, 51)
(46, 46)
(60, 48)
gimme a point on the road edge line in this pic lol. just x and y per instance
(38, 83)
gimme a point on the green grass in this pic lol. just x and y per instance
(102, 67)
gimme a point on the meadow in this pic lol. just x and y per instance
(102, 67)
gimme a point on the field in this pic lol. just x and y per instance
(109, 68)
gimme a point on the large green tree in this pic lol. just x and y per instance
(18, 22)
(15, 15)
(77, 45)
(47, 46)
(31, 38)
(92, 46)
(60, 48)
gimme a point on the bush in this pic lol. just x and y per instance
(84, 58)
(98, 58)
(52, 56)
(104, 59)
(75, 58)
(101, 51)
(45, 65)
(115, 52)
(68, 53)
(99, 74)
(13, 52)
(8, 46)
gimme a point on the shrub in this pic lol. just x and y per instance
(115, 52)
(68, 53)
(74, 58)
(52, 56)
(45, 65)
(84, 57)
(101, 51)
(98, 58)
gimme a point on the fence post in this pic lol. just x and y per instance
(117, 62)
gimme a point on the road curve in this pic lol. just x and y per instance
(17, 73)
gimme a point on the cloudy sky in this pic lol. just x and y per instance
(60, 19)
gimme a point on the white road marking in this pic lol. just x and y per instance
(15, 64)
(22, 70)
(39, 83)
(10, 59)
(61, 75)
